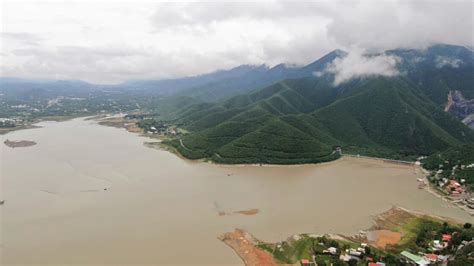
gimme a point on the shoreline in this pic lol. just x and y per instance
(433, 191)
(32, 124)
(245, 245)
(156, 143)
(5, 131)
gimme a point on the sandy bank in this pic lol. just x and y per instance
(244, 245)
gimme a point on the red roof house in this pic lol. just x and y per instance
(305, 262)
(432, 257)
(446, 237)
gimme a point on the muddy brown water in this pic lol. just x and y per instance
(94, 195)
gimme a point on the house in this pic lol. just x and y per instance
(431, 257)
(443, 258)
(437, 245)
(376, 264)
(446, 237)
(453, 183)
(413, 259)
(345, 257)
(304, 262)
(355, 253)
(332, 250)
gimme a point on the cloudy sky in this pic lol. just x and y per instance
(112, 41)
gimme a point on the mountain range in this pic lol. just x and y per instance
(303, 117)
(290, 114)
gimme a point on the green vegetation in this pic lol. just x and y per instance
(418, 237)
(281, 115)
(301, 120)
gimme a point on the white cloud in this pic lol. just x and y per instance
(442, 61)
(163, 40)
(357, 64)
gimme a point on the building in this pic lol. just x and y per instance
(431, 257)
(446, 237)
(332, 250)
(438, 245)
(413, 259)
(306, 262)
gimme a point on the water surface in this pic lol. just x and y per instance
(90, 194)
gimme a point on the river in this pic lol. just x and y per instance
(94, 195)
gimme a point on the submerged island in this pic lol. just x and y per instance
(19, 143)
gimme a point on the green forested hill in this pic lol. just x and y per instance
(301, 120)
(283, 114)
(439, 69)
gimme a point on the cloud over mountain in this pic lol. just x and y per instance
(178, 39)
(357, 64)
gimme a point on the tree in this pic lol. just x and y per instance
(467, 225)
(460, 261)
(367, 251)
(352, 262)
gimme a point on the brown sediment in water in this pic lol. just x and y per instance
(244, 212)
(19, 143)
(382, 238)
(244, 245)
(247, 212)
(382, 234)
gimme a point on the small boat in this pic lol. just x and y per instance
(420, 180)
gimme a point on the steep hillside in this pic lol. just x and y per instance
(390, 117)
(301, 120)
(439, 69)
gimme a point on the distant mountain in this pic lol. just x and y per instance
(16, 88)
(172, 86)
(226, 88)
(205, 88)
(439, 69)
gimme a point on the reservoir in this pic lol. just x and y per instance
(95, 195)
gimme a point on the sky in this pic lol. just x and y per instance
(109, 42)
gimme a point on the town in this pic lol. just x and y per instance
(451, 175)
